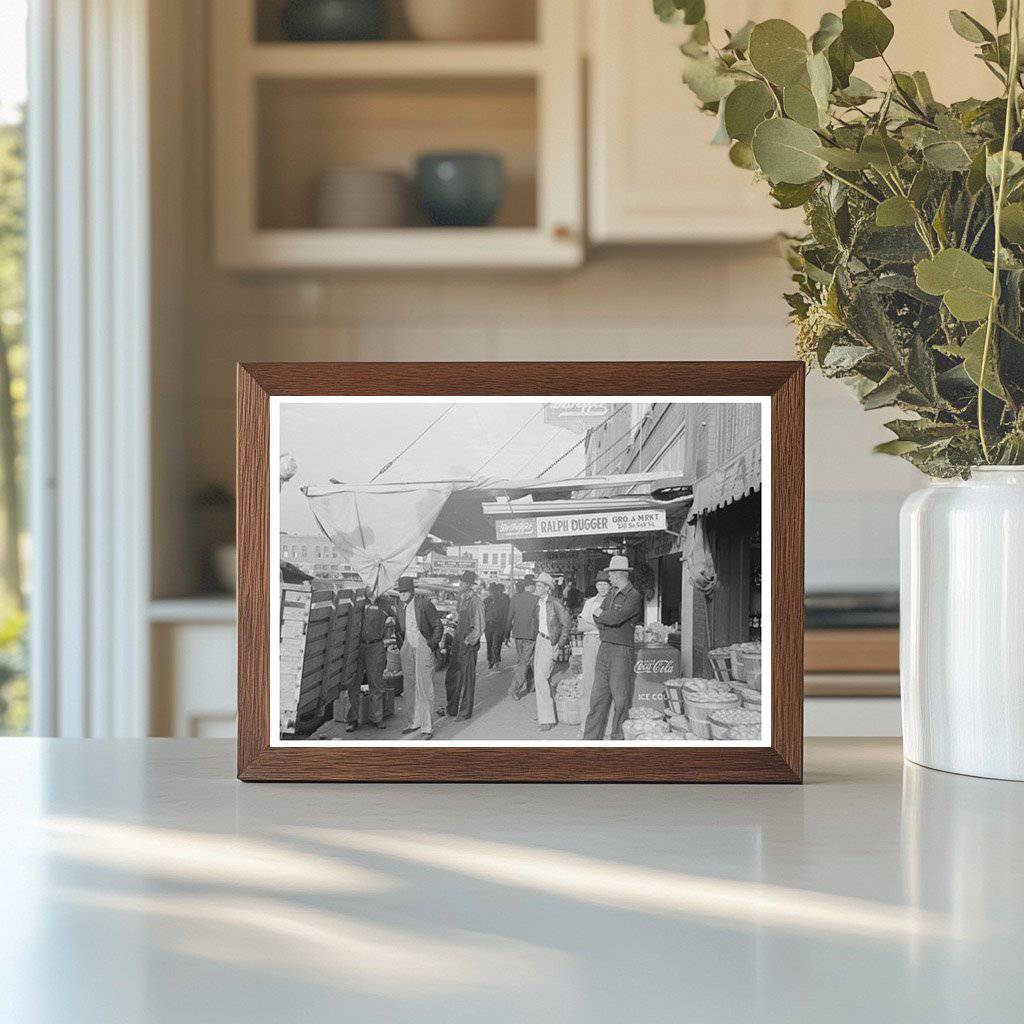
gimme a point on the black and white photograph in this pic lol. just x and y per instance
(515, 571)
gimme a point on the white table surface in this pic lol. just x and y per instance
(140, 882)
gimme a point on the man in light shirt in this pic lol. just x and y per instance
(418, 631)
(551, 622)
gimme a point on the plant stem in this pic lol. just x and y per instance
(1011, 108)
(853, 185)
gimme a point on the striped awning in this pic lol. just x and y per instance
(733, 480)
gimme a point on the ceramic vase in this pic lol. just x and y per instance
(962, 624)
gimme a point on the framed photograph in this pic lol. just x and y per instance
(565, 572)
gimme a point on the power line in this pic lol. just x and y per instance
(582, 440)
(387, 465)
(491, 458)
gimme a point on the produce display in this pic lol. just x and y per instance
(705, 691)
(646, 729)
(744, 732)
(645, 714)
(679, 723)
(736, 716)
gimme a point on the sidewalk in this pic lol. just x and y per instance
(495, 715)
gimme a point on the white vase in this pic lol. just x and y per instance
(962, 624)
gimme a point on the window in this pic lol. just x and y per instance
(14, 547)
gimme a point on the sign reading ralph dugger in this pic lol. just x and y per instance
(632, 521)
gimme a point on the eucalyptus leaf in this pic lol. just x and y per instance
(690, 12)
(788, 196)
(801, 106)
(841, 62)
(844, 159)
(883, 395)
(976, 174)
(819, 75)
(1012, 223)
(787, 152)
(883, 152)
(741, 155)
(708, 80)
(829, 30)
(969, 28)
(993, 167)
(779, 51)
(999, 9)
(963, 281)
(745, 108)
(739, 41)
(895, 212)
(924, 87)
(866, 29)
(972, 351)
(895, 447)
(947, 156)
(857, 91)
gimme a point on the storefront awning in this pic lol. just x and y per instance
(379, 528)
(737, 478)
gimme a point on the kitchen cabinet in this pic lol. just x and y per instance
(287, 114)
(653, 175)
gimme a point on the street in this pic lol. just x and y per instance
(496, 716)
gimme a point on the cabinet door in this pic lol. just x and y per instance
(654, 176)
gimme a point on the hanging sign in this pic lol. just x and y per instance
(578, 417)
(585, 523)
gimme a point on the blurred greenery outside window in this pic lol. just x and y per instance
(14, 538)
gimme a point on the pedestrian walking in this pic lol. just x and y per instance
(591, 641)
(496, 608)
(418, 631)
(551, 621)
(620, 612)
(521, 629)
(469, 631)
(372, 659)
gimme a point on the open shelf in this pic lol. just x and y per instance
(308, 127)
(287, 114)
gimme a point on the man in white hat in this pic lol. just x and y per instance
(622, 611)
(551, 622)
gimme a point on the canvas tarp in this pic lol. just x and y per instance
(379, 531)
(379, 528)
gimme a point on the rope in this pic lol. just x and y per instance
(387, 465)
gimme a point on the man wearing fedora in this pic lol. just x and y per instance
(521, 628)
(621, 612)
(418, 631)
(551, 622)
(469, 630)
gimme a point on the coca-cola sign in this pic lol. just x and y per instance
(663, 666)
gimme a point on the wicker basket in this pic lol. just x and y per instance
(699, 712)
(751, 698)
(721, 663)
(722, 724)
(750, 663)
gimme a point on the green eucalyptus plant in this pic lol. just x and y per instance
(910, 278)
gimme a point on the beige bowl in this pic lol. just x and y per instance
(471, 20)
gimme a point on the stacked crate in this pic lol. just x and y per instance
(350, 664)
(306, 614)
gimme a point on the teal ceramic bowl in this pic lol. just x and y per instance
(460, 189)
(334, 21)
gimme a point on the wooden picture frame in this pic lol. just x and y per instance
(779, 760)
